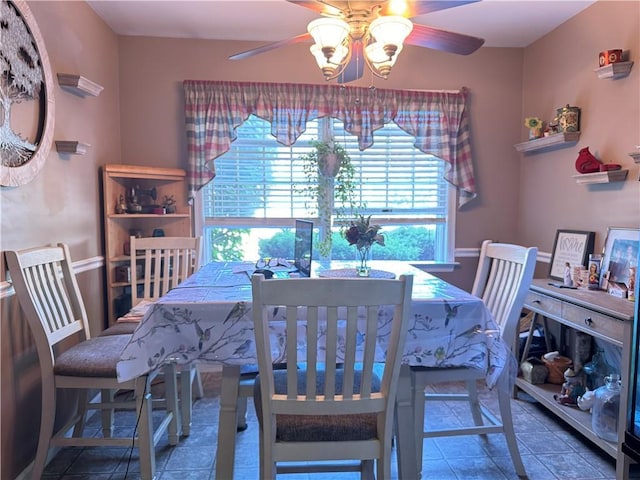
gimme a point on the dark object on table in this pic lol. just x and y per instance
(267, 273)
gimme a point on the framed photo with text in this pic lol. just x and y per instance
(620, 254)
(572, 247)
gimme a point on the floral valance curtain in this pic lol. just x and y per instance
(439, 121)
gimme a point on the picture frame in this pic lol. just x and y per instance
(570, 246)
(620, 254)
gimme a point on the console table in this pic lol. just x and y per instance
(595, 313)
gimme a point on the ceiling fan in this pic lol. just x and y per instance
(353, 33)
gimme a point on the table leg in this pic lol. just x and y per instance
(405, 425)
(225, 455)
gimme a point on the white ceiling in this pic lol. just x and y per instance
(502, 23)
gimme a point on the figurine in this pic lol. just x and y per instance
(169, 203)
(121, 206)
(567, 275)
(586, 162)
(572, 388)
(586, 400)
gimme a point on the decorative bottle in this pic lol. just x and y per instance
(596, 370)
(606, 408)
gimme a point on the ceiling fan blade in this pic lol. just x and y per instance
(319, 6)
(437, 39)
(271, 46)
(355, 68)
(421, 7)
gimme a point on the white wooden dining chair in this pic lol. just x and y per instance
(164, 263)
(48, 292)
(336, 402)
(502, 280)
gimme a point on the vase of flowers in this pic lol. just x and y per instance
(363, 235)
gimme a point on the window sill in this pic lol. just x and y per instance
(430, 266)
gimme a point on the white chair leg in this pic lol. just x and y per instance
(186, 397)
(504, 401)
(107, 396)
(227, 422)
(199, 392)
(417, 390)
(146, 449)
(241, 415)
(474, 403)
(268, 468)
(367, 467)
(172, 404)
(245, 391)
(81, 408)
(47, 421)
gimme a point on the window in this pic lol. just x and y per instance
(249, 207)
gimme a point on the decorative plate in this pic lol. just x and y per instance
(352, 272)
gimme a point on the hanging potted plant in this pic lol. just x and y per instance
(330, 186)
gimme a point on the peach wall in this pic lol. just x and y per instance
(62, 204)
(559, 69)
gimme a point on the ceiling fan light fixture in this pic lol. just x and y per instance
(329, 65)
(390, 30)
(328, 33)
(379, 59)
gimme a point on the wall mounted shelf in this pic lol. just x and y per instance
(601, 177)
(71, 147)
(614, 70)
(556, 140)
(79, 85)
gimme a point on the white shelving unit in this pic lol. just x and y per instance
(79, 85)
(601, 177)
(71, 147)
(556, 140)
(118, 180)
(599, 315)
(614, 70)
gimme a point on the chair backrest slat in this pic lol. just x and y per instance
(168, 261)
(49, 295)
(370, 350)
(502, 280)
(341, 319)
(331, 351)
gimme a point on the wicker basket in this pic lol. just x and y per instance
(556, 368)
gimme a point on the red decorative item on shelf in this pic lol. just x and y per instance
(606, 167)
(609, 56)
(586, 162)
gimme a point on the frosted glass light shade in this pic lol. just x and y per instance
(335, 59)
(391, 30)
(377, 56)
(328, 32)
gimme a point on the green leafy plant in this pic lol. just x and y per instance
(330, 186)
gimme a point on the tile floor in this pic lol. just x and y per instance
(550, 450)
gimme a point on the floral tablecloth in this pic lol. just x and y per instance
(208, 318)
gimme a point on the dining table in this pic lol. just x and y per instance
(208, 319)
